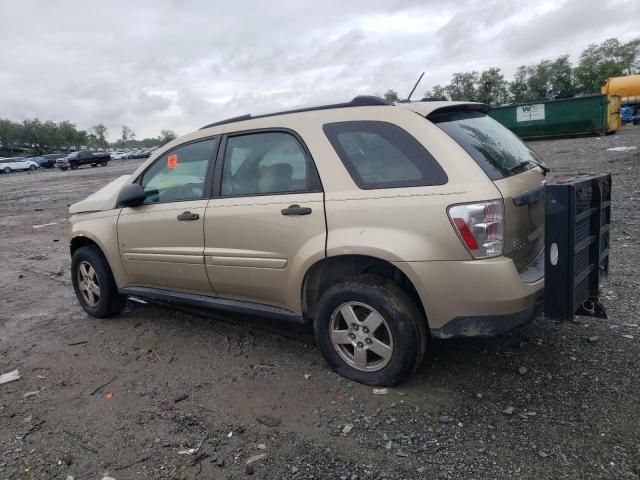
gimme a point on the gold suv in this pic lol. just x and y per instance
(378, 225)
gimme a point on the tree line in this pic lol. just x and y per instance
(40, 137)
(545, 80)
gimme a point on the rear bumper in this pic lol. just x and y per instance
(486, 326)
(475, 297)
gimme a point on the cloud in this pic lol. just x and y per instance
(165, 64)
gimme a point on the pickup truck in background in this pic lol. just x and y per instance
(83, 157)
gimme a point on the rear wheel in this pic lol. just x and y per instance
(6, 170)
(370, 331)
(94, 284)
(103, 163)
(32, 167)
(73, 165)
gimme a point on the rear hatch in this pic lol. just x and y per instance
(514, 169)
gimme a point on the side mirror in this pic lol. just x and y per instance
(131, 195)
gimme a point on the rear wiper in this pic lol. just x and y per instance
(544, 168)
(518, 166)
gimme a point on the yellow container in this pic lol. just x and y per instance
(628, 86)
(613, 113)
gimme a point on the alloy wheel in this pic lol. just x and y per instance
(361, 336)
(88, 284)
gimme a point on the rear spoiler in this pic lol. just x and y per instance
(462, 107)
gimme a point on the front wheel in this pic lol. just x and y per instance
(94, 284)
(103, 163)
(73, 166)
(6, 170)
(32, 167)
(370, 331)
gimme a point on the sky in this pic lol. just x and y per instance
(180, 64)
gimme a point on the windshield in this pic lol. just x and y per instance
(495, 149)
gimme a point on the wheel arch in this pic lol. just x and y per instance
(328, 271)
(90, 234)
(83, 241)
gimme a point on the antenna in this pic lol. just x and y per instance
(414, 87)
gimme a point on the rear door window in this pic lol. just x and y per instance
(498, 151)
(267, 163)
(383, 155)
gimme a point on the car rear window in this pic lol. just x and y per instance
(498, 151)
(383, 155)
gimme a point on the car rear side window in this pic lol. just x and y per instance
(383, 155)
(498, 151)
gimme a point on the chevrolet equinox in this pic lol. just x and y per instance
(378, 225)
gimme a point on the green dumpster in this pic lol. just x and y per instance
(588, 115)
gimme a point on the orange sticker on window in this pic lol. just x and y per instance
(172, 161)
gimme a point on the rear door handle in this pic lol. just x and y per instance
(295, 210)
(186, 216)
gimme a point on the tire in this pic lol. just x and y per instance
(32, 167)
(104, 163)
(402, 330)
(73, 166)
(94, 165)
(64, 169)
(89, 262)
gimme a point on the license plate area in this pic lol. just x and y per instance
(577, 233)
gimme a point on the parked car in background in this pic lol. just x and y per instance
(62, 161)
(49, 161)
(8, 165)
(118, 155)
(146, 153)
(142, 152)
(84, 157)
(38, 160)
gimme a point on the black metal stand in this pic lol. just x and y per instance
(577, 233)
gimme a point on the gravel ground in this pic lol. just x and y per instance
(160, 393)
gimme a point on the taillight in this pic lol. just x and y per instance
(480, 226)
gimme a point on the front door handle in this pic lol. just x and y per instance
(295, 210)
(186, 216)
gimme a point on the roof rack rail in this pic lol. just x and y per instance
(239, 118)
(359, 101)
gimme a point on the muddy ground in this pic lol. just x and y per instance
(126, 397)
